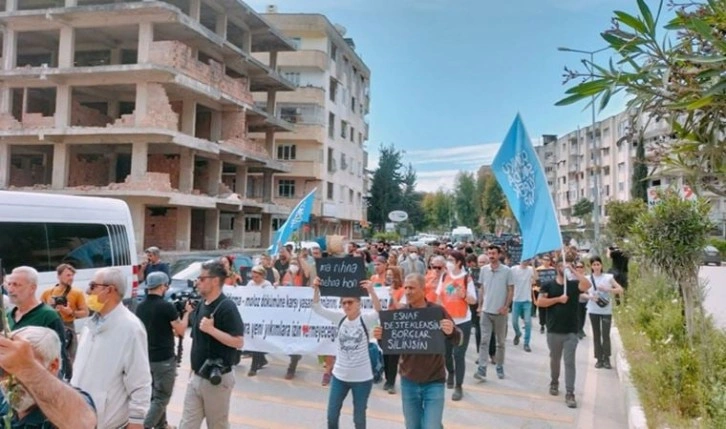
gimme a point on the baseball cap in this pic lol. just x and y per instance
(156, 279)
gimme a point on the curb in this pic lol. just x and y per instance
(636, 415)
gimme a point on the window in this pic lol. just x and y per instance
(606, 151)
(343, 162)
(352, 135)
(352, 104)
(277, 223)
(350, 196)
(621, 167)
(296, 42)
(293, 77)
(331, 191)
(332, 168)
(286, 152)
(331, 125)
(253, 224)
(606, 171)
(621, 186)
(341, 196)
(656, 182)
(607, 190)
(290, 114)
(286, 188)
(343, 129)
(333, 52)
(360, 138)
(333, 90)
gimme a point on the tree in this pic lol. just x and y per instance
(411, 199)
(494, 203)
(437, 209)
(639, 189)
(622, 216)
(466, 199)
(681, 80)
(583, 210)
(386, 193)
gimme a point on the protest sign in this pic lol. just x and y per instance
(515, 253)
(341, 276)
(413, 331)
(546, 275)
(281, 320)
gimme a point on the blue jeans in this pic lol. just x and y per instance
(522, 309)
(338, 391)
(423, 404)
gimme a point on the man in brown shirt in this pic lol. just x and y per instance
(423, 375)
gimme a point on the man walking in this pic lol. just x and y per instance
(217, 332)
(153, 263)
(112, 363)
(423, 375)
(162, 323)
(522, 276)
(560, 298)
(494, 301)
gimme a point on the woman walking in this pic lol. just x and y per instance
(600, 307)
(353, 369)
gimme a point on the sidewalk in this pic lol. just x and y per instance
(521, 400)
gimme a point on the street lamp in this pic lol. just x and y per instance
(596, 158)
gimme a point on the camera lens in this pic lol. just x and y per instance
(215, 376)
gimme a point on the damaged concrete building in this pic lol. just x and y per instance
(150, 102)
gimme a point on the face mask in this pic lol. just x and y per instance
(93, 304)
(414, 256)
(450, 266)
(389, 281)
(21, 400)
(294, 269)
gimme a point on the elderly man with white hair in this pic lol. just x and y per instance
(112, 362)
(36, 396)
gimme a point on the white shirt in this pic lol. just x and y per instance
(470, 293)
(352, 362)
(522, 279)
(112, 365)
(603, 285)
(264, 283)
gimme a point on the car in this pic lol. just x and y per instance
(711, 255)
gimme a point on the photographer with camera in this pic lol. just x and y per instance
(162, 323)
(217, 335)
(70, 303)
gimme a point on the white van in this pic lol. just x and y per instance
(46, 230)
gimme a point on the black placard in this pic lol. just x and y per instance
(341, 276)
(546, 275)
(515, 253)
(412, 331)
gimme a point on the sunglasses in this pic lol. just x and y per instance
(436, 268)
(579, 266)
(94, 285)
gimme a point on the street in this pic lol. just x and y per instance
(520, 400)
(715, 302)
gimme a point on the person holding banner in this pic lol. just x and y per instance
(390, 361)
(456, 292)
(258, 279)
(353, 370)
(297, 274)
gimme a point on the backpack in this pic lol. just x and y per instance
(374, 353)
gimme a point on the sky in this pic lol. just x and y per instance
(449, 76)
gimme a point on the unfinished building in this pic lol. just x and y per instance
(150, 102)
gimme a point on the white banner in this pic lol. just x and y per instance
(281, 321)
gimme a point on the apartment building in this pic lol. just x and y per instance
(326, 150)
(610, 151)
(150, 102)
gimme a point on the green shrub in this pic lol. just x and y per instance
(389, 237)
(720, 244)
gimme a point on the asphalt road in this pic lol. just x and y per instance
(715, 302)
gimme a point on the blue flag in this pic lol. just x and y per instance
(523, 182)
(298, 216)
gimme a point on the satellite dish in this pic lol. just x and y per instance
(397, 216)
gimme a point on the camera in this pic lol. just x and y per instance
(59, 301)
(180, 299)
(212, 370)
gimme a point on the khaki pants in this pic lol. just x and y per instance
(206, 401)
(496, 323)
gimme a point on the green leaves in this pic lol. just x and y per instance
(647, 17)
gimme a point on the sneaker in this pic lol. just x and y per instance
(554, 389)
(581, 335)
(450, 381)
(290, 374)
(386, 386)
(252, 373)
(598, 364)
(326, 379)
(458, 394)
(541, 329)
(570, 400)
(500, 371)
(392, 389)
(481, 373)
(516, 340)
(526, 348)
(606, 363)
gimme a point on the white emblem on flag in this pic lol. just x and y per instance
(520, 175)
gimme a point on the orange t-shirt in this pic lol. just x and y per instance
(432, 282)
(378, 280)
(450, 298)
(75, 298)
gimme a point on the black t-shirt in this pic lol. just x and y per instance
(562, 318)
(226, 319)
(161, 267)
(157, 315)
(282, 267)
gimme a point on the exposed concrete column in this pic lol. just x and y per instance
(215, 132)
(139, 159)
(114, 109)
(211, 229)
(62, 106)
(272, 102)
(266, 231)
(146, 37)
(61, 161)
(189, 117)
(6, 99)
(267, 187)
(142, 103)
(195, 9)
(4, 165)
(183, 228)
(240, 181)
(10, 47)
(238, 233)
(138, 218)
(112, 161)
(247, 41)
(221, 26)
(115, 56)
(214, 166)
(186, 172)
(66, 46)
(71, 3)
(270, 141)
(11, 5)
(273, 59)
